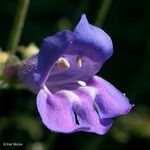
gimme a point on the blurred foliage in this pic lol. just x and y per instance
(128, 24)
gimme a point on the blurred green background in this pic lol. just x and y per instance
(128, 24)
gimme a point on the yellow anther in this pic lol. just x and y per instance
(62, 63)
(79, 61)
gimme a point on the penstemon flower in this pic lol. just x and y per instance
(70, 96)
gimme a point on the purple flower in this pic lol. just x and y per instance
(70, 96)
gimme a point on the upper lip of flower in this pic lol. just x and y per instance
(70, 96)
(71, 52)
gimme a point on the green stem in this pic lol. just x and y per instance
(17, 25)
(102, 13)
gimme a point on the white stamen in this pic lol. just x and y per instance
(82, 83)
(62, 63)
(124, 94)
(79, 61)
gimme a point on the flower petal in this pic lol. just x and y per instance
(52, 48)
(110, 101)
(91, 41)
(70, 111)
(86, 113)
(55, 112)
(92, 46)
